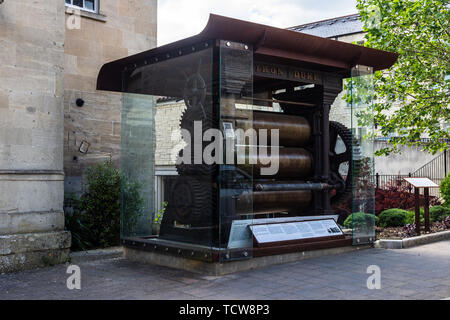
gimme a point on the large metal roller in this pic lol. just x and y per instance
(290, 186)
(273, 201)
(292, 163)
(294, 131)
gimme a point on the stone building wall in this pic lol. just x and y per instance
(122, 28)
(168, 135)
(31, 134)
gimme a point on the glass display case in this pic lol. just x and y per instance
(257, 166)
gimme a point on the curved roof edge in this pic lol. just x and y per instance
(268, 41)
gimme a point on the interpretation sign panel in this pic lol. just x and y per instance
(241, 236)
(422, 182)
(301, 230)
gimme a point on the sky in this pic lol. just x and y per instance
(179, 19)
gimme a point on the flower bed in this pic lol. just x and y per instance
(398, 233)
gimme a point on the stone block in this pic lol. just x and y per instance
(31, 222)
(31, 192)
(389, 244)
(8, 52)
(30, 260)
(22, 157)
(4, 100)
(81, 48)
(88, 66)
(30, 242)
(111, 53)
(96, 110)
(82, 83)
(117, 128)
(13, 78)
(70, 64)
(16, 136)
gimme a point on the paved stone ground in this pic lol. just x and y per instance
(417, 273)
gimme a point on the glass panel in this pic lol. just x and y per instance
(78, 3)
(89, 4)
(236, 172)
(171, 100)
(137, 163)
(363, 193)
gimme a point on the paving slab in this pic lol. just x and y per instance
(415, 273)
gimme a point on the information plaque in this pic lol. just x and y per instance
(301, 231)
(241, 236)
(421, 183)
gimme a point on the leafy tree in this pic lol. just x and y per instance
(419, 82)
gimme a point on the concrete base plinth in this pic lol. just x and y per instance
(219, 269)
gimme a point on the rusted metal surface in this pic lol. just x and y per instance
(293, 162)
(290, 185)
(275, 201)
(293, 131)
(269, 43)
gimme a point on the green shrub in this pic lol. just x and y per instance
(411, 217)
(439, 213)
(81, 235)
(133, 205)
(100, 204)
(445, 190)
(94, 219)
(392, 218)
(360, 220)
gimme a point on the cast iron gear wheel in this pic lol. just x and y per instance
(339, 130)
(187, 122)
(194, 92)
(192, 201)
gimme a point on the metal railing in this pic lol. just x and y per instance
(436, 170)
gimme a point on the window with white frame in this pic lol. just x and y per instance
(87, 5)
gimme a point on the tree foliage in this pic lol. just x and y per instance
(412, 98)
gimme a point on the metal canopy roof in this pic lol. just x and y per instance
(334, 27)
(274, 43)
